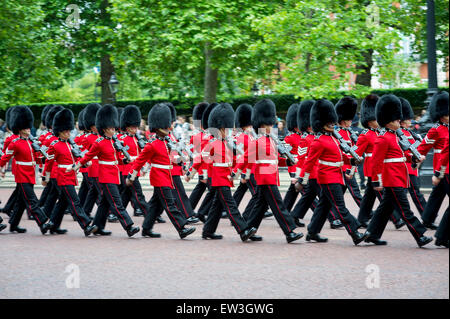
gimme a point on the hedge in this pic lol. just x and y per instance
(184, 106)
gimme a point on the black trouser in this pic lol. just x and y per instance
(332, 195)
(394, 197)
(361, 173)
(134, 193)
(11, 201)
(197, 193)
(223, 198)
(353, 187)
(163, 199)
(52, 197)
(442, 231)
(308, 200)
(416, 195)
(44, 194)
(207, 201)
(93, 196)
(26, 199)
(84, 188)
(111, 202)
(435, 201)
(241, 190)
(269, 195)
(182, 201)
(251, 185)
(68, 198)
(368, 200)
(290, 197)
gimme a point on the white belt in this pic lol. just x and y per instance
(335, 164)
(26, 163)
(222, 164)
(95, 157)
(108, 163)
(162, 166)
(368, 154)
(65, 166)
(275, 162)
(133, 157)
(395, 160)
(437, 151)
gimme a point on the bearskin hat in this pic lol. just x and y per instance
(407, 111)
(173, 112)
(243, 115)
(44, 112)
(62, 121)
(346, 108)
(291, 117)
(368, 109)
(131, 116)
(264, 113)
(7, 117)
(438, 105)
(90, 114)
(81, 120)
(51, 114)
(303, 115)
(221, 117)
(322, 112)
(206, 114)
(106, 117)
(159, 117)
(119, 113)
(20, 118)
(388, 109)
(197, 113)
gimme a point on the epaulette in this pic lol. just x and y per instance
(54, 142)
(337, 129)
(122, 136)
(382, 132)
(318, 135)
(99, 139)
(364, 131)
(305, 135)
(436, 125)
(49, 136)
(16, 139)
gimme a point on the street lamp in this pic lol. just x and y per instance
(431, 51)
(113, 87)
(255, 89)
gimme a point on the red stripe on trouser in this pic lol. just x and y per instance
(335, 205)
(162, 193)
(417, 198)
(73, 205)
(229, 211)
(115, 205)
(181, 201)
(24, 195)
(353, 194)
(403, 213)
(251, 184)
(137, 199)
(278, 208)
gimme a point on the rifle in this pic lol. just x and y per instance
(174, 146)
(37, 148)
(353, 136)
(416, 136)
(284, 152)
(407, 146)
(231, 143)
(142, 141)
(118, 145)
(346, 148)
(76, 152)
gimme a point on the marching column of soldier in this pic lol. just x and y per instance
(321, 152)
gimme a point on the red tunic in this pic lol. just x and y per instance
(294, 139)
(389, 161)
(436, 138)
(304, 147)
(175, 158)
(26, 160)
(411, 139)
(366, 141)
(6, 143)
(444, 159)
(62, 158)
(133, 149)
(80, 140)
(345, 133)
(90, 140)
(199, 141)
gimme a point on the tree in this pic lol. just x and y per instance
(189, 45)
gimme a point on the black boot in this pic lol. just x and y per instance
(375, 241)
(192, 220)
(113, 218)
(256, 238)
(132, 230)
(186, 232)
(316, 237)
(138, 212)
(58, 231)
(440, 242)
(18, 229)
(150, 233)
(430, 226)
(268, 214)
(399, 224)
(293, 236)
(246, 234)
(2, 226)
(422, 241)
(336, 224)
(211, 236)
(45, 227)
(298, 222)
(89, 230)
(102, 232)
(358, 237)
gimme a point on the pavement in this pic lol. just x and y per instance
(73, 266)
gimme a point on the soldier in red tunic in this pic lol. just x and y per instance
(436, 138)
(157, 153)
(106, 121)
(325, 152)
(62, 158)
(80, 140)
(21, 120)
(390, 174)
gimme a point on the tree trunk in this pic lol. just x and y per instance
(106, 70)
(365, 77)
(211, 75)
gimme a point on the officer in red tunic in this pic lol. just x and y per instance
(442, 176)
(93, 195)
(130, 119)
(366, 141)
(325, 152)
(264, 154)
(109, 158)
(21, 120)
(436, 138)
(62, 157)
(414, 188)
(197, 143)
(156, 152)
(390, 174)
(221, 158)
